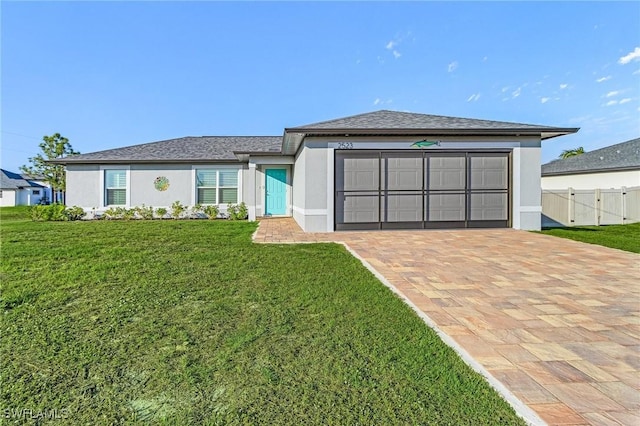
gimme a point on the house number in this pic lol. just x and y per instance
(345, 145)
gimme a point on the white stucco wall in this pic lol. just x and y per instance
(8, 198)
(180, 184)
(28, 196)
(85, 184)
(526, 194)
(605, 180)
(298, 203)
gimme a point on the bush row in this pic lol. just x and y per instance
(177, 211)
(55, 212)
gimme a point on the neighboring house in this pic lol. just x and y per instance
(613, 167)
(378, 170)
(600, 187)
(19, 190)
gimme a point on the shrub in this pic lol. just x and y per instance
(161, 212)
(74, 213)
(195, 211)
(128, 214)
(211, 211)
(114, 213)
(177, 209)
(55, 212)
(144, 212)
(237, 212)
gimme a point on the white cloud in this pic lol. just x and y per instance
(504, 89)
(601, 79)
(485, 59)
(516, 92)
(636, 72)
(563, 86)
(544, 100)
(377, 101)
(452, 66)
(624, 101)
(610, 103)
(631, 56)
(474, 97)
(396, 54)
(391, 45)
(612, 94)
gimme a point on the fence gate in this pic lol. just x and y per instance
(573, 207)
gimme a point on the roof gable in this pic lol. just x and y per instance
(622, 156)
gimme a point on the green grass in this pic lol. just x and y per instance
(189, 322)
(623, 237)
(16, 213)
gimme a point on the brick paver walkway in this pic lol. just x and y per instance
(555, 322)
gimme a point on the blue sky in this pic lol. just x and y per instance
(111, 74)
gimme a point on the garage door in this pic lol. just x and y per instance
(388, 189)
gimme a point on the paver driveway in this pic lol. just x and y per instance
(555, 322)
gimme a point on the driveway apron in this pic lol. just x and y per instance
(552, 323)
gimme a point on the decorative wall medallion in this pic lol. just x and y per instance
(161, 183)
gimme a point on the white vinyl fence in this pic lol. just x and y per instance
(573, 207)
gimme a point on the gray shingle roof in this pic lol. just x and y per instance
(385, 122)
(622, 156)
(222, 148)
(188, 149)
(386, 119)
(10, 180)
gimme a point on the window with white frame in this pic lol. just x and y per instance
(115, 187)
(217, 186)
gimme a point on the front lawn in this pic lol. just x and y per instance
(623, 237)
(189, 322)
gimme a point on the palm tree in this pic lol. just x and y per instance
(572, 152)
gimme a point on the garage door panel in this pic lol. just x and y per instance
(401, 172)
(446, 207)
(358, 208)
(403, 207)
(488, 206)
(446, 173)
(489, 172)
(361, 173)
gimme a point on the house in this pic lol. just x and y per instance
(615, 166)
(379, 170)
(600, 187)
(20, 190)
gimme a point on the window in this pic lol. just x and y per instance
(115, 187)
(217, 186)
(36, 192)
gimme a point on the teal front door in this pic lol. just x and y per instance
(276, 192)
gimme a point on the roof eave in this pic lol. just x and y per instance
(293, 136)
(440, 131)
(143, 161)
(590, 171)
